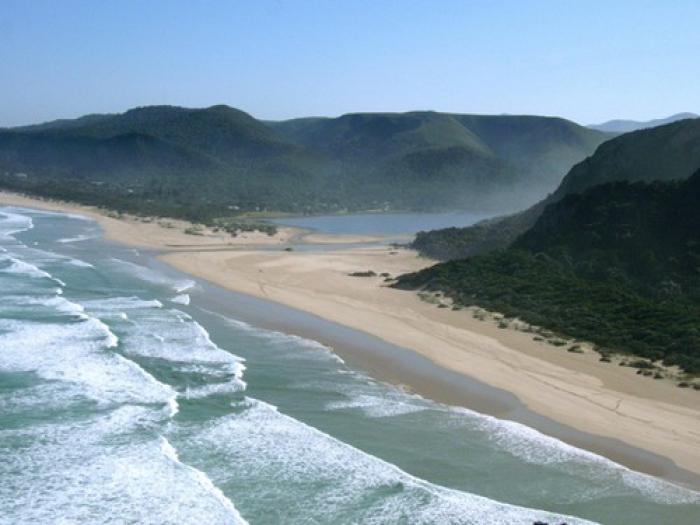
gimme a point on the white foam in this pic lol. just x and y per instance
(80, 263)
(173, 408)
(199, 392)
(380, 400)
(179, 338)
(110, 304)
(12, 223)
(318, 477)
(77, 238)
(170, 452)
(280, 338)
(46, 213)
(181, 299)
(201, 369)
(532, 446)
(378, 405)
(53, 302)
(19, 266)
(184, 285)
(106, 469)
(74, 353)
(172, 335)
(152, 276)
(32, 400)
(40, 257)
(111, 339)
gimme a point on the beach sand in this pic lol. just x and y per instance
(154, 233)
(570, 389)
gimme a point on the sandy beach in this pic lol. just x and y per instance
(575, 390)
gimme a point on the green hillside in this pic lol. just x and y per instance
(200, 163)
(195, 163)
(454, 159)
(618, 264)
(670, 152)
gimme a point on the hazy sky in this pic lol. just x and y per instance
(585, 60)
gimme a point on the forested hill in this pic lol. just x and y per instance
(214, 161)
(538, 150)
(162, 160)
(670, 152)
(618, 264)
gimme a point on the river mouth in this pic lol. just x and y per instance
(383, 224)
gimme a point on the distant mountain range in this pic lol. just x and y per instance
(670, 152)
(625, 126)
(202, 163)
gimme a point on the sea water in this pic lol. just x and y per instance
(127, 396)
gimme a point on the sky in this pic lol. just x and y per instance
(588, 61)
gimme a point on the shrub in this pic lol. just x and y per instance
(367, 273)
(193, 230)
(641, 364)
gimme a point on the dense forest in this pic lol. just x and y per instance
(670, 152)
(219, 161)
(618, 265)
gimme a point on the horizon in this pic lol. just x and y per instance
(283, 60)
(120, 112)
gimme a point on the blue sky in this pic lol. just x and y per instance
(585, 60)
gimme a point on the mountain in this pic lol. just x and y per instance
(663, 153)
(618, 265)
(525, 155)
(203, 163)
(159, 159)
(670, 152)
(625, 126)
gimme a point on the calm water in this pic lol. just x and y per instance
(126, 397)
(383, 223)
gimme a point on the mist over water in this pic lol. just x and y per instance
(125, 396)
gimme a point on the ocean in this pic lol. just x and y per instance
(131, 393)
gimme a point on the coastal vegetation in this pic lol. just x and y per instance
(236, 226)
(200, 164)
(617, 265)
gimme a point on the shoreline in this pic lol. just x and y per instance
(647, 425)
(417, 374)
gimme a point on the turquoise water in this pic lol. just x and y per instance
(129, 395)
